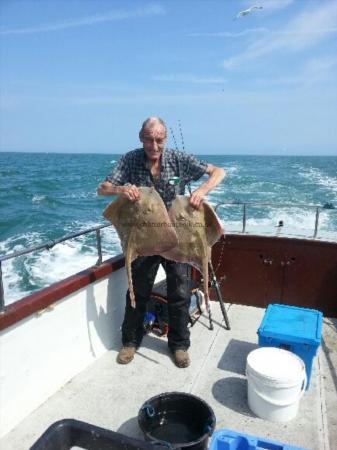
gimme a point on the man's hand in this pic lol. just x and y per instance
(197, 197)
(105, 188)
(130, 192)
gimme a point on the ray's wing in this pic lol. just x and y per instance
(153, 232)
(202, 230)
(183, 218)
(213, 226)
(143, 227)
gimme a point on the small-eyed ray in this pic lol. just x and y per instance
(198, 230)
(144, 227)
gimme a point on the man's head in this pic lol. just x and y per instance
(153, 136)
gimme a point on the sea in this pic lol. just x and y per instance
(45, 196)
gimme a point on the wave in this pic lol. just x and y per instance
(81, 195)
(296, 221)
(56, 195)
(38, 198)
(317, 177)
(230, 170)
(25, 274)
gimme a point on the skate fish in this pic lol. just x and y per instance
(184, 234)
(143, 227)
(198, 230)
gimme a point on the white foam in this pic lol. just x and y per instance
(230, 169)
(296, 222)
(61, 261)
(38, 198)
(45, 267)
(81, 195)
(11, 282)
(15, 243)
(11, 276)
(48, 266)
(316, 176)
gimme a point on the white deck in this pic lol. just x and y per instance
(109, 395)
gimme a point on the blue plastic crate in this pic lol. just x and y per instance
(292, 328)
(230, 440)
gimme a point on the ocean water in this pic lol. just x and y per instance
(46, 196)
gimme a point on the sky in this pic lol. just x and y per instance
(81, 76)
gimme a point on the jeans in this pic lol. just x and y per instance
(144, 270)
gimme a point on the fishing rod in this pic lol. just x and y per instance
(174, 139)
(177, 148)
(183, 145)
(181, 134)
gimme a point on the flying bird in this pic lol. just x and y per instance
(245, 12)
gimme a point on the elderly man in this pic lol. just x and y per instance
(168, 171)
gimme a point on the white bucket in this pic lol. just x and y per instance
(276, 382)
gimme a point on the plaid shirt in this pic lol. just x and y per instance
(177, 169)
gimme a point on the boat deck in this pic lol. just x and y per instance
(109, 395)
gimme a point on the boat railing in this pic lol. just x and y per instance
(47, 246)
(245, 205)
(50, 244)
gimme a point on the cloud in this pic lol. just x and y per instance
(316, 70)
(188, 78)
(109, 16)
(228, 34)
(237, 98)
(13, 101)
(275, 5)
(304, 31)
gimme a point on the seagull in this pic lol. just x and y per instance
(245, 12)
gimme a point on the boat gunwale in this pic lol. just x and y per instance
(47, 296)
(42, 299)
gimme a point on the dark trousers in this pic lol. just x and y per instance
(144, 270)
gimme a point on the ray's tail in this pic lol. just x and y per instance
(128, 261)
(206, 293)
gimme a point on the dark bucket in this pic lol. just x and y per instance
(177, 420)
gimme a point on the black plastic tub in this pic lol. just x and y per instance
(67, 433)
(177, 420)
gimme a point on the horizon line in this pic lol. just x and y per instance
(194, 153)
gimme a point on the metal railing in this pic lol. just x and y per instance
(50, 244)
(317, 208)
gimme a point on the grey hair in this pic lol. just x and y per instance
(151, 122)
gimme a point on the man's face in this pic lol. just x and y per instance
(153, 140)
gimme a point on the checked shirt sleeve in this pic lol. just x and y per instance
(193, 168)
(120, 174)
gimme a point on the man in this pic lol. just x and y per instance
(168, 171)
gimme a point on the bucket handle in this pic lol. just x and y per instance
(149, 409)
(209, 427)
(162, 444)
(280, 402)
